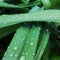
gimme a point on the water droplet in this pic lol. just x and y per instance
(8, 47)
(50, 16)
(16, 55)
(27, 41)
(31, 43)
(15, 43)
(21, 27)
(24, 23)
(46, 29)
(21, 14)
(22, 58)
(31, 37)
(15, 48)
(11, 55)
(39, 28)
(33, 54)
(24, 31)
(20, 38)
(26, 53)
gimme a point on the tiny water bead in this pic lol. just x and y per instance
(24, 23)
(31, 43)
(33, 54)
(39, 28)
(32, 38)
(22, 58)
(52, 18)
(16, 55)
(27, 42)
(15, 43)
(26, 53)
(19, 38)
(21, 27)
(46, 29)
(21, 14)
(22, 53)
(8, 47)
(22, 39)
(24, 32)
(11, 55)
(15, 48)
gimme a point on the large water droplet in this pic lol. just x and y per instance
(15, 48)
(26, 53)
(16, 55)
(22, 58)
(33, 54)
(31, 43)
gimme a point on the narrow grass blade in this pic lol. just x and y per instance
(31, 43)
(17, 43)
(6, 5)
(46, 54)
(41, 16)
(43, 45)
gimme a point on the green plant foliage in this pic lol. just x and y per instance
(41, 16)
(43, 45)
(17, 43)
(29, 29)
(31, 43)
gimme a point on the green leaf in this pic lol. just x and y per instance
(41, 16)
(31, 43)
(43, 45)
(17, 43)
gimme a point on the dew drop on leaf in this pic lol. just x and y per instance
(22, 58)
(31, 43)
(15, 48)
(11, 55)
(16, 55)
